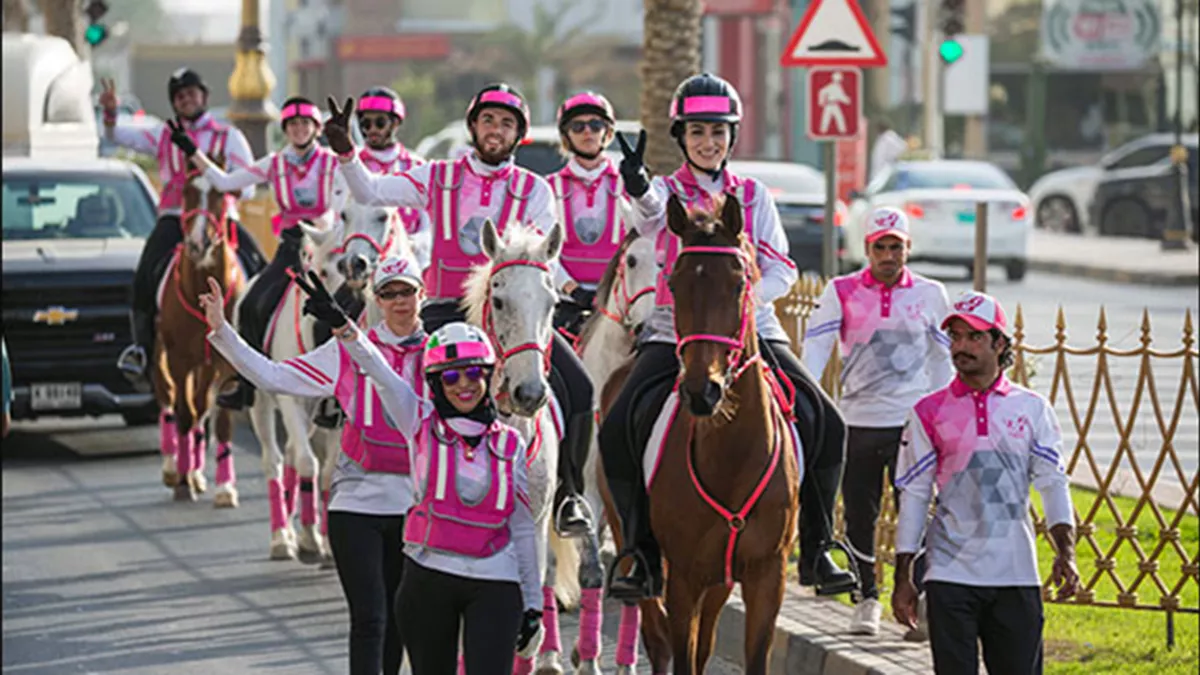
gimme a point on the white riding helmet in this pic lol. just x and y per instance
(456, 345)
(402, 268)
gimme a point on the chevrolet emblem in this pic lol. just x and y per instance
(55, 316)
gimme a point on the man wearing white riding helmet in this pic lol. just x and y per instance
(980, 443)
(885, 321)
(307, 188)
(460, 195)
(705, 113)
(188, 95)
(371, 488)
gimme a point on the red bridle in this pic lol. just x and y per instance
(225, 230)
(489, 322)
(625, 300)
(381, 249)
(736, 344)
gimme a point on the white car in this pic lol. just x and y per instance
(539, 152)
(939, 198)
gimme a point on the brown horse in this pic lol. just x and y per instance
(186, 366)
(724, 501)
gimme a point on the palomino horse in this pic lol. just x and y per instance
(724, 500)
(186, 367)
(512, 298)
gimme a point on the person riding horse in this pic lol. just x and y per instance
(307, 188)
(189, 100)
(705, 112)
(460, 195)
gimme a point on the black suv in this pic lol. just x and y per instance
(73, 231)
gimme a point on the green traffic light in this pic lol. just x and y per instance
(950, 51)
(95, 34)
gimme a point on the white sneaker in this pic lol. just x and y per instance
(921, 632)
(866, 617)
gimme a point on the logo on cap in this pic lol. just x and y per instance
(969, 304)
(887, 219)
(395, 267)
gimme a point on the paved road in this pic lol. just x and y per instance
(103, 573)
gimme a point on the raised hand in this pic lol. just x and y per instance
(337, 128)
(633, 166)
(108, 95)
(180, 137)
(320, 303)
(213, 304)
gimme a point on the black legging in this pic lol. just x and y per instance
(830, 449)
(369, 553)
(655, 362)
(431, 605)
(263, 298)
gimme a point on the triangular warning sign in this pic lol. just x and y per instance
(833, 33)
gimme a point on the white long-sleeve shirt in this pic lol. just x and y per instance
(892, 346)
(315, 374)
(517, 561)
(980, 451)
(778, 273)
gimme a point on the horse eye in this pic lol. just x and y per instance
(343, 215)
(631, 261)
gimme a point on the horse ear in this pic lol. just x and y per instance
(677, 215)
(553, 243)
(731, 216)
(319, 236)
(489, 239)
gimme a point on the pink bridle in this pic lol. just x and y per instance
(393, 220)
(737, 345)
(490, 327)
(625, 300)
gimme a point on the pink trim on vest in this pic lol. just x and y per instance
(585, 262)
(367, 437)
(173, 167)
(281, 176)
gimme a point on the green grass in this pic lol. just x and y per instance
(1088, 639)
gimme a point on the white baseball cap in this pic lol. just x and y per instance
(398, 268)
(887, 222)
(980, 310)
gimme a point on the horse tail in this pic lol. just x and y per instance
(566, 570)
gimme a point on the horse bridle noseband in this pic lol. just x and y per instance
(626, 301)
(737, 344)
(379, 248)
(489, 322)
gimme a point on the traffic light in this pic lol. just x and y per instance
(951, 24)
(96, 32)
(905, 22)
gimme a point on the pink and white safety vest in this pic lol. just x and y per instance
(442, 521)
(284, 176)
(369, 436)
(410, 217)
(683, 184)
(173, 166)
(459, 199)
(593, 228)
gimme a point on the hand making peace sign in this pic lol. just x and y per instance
(633, 167)
(320, 303)
(337, 128)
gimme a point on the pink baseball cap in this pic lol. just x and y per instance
(979, 310)
(887, 222)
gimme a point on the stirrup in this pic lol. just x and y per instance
(646, 592)
(854, 586)
(588, 515)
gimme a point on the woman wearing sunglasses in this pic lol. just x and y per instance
(469, 537)
(371, 489)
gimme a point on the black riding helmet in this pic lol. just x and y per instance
(185, 77)
(705, 98)
(499, 96)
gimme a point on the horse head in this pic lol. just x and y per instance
(512, 297)
(205, 220)
(713, 287)
(372, 233)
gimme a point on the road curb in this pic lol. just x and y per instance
(1143, 277)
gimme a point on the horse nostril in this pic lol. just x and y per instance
(359, 264)
(341, 266)
(529, 394)
(712, 393)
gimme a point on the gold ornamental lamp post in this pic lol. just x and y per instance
(251, 83)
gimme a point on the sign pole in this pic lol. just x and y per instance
(981, 248)
(828, 241)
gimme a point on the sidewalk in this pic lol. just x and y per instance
(1116, 259)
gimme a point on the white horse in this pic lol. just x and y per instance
(512, 298)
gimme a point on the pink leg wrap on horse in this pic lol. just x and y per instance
(552, 642)
(522, 666)
(199, 450)
(308, 502)
(289, 489)
(462, 666)
(225, 472)
(275, 504)
(591, 616)
(183, 454)
(324, 511)
(168, 436)
(631, 625)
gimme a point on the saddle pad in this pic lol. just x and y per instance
(165, 274)
(273, 324)
(658, 437)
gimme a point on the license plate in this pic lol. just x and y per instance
(56, 396)
(966, 217)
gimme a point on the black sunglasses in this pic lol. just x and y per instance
(472, 373)
(374, 121)
(595, 125)
(398, 293)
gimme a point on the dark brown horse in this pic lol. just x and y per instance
(724, 501)
(186, 366)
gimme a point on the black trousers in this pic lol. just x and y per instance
(264, 297)
(369, 553)
(655, 363)
(1006, 620)
(869, 452)
(827, 448)
(159, 246)
(432, 604)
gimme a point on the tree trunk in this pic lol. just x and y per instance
(16, 16)
(64, 19)
(670, 54)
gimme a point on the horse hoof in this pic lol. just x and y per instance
(627, 670)
(184, 493)
(170, 478)
(548, 664)
(587, 668)
(328, 563)
(283, 551)
(553, 669)
(226, 498)
(199, 482)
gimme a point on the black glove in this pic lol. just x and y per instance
(180, 137)
(348, 301)
(583, 297)
(320, 303)
(633, 167)
(337, 128)
(529, 627)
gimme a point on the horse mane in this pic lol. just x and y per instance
(519, 242)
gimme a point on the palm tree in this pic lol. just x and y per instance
(670, 54)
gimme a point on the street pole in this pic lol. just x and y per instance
(251, 83)
(975, 131)
(828, 243)
(931, 80)
(1175, 234)
(981, 247)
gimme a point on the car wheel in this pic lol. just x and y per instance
(141, 417)
(1057, 214)
(1125, 218)
(1015, 269)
